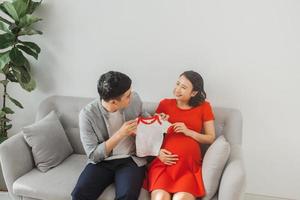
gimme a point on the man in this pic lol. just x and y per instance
(107, 126)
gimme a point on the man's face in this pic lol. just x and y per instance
(125, 100)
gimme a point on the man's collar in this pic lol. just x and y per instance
(103, 110)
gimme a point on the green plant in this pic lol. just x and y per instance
(14, 66)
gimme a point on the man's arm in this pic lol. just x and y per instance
(93, 146)
(127, 129)
(96, 149)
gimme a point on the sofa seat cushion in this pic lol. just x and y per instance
(59, 182)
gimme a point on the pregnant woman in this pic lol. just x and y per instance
(176, 172)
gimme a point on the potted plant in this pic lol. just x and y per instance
(16, 21)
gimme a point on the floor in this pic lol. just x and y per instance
(259, 197)
(4, 196)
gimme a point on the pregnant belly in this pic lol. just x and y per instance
(183, 146)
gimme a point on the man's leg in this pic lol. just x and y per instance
(128, 181)
(92, 182)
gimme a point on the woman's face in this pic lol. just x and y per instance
(183, 90)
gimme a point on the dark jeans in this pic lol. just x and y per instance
(126, 175)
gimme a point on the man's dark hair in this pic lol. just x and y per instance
(198, 86)
(112, 85)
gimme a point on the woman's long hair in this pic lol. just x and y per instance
(198, 86)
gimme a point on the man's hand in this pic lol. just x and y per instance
(167, 157)
(128, 128)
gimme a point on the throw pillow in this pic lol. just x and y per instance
(214, 162)
(49, 143)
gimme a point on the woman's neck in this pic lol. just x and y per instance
(182, 105)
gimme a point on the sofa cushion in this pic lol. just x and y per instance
(59, 182)
(49, 143)
(214, 162)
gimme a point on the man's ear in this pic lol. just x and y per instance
(194, 93)
(113, 102)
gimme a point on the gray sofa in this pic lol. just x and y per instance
(24, 181)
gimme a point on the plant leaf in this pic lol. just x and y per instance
(4, 82)
(31, 45)
(4, 59)
(10, 76)
(29, 86)
(14, 29)
(17, 57)
(29, 31)
(2, 113)
(7, 127)
(7, 110)
(33, 6)
(3, 9)
(27, 65)
(3, 27)
(6, 68)
(16, 102)
(28, 51)
(3, 118)
(6, 40)
(10, 10)
(27, 20)
(2, 137)
(22, 75)
(21, 7)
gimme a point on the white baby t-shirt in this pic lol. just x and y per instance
(149, 135)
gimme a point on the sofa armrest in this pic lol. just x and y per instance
(233, 180)
(16, 160)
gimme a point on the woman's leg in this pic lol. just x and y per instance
(160, 194)
(183, 196)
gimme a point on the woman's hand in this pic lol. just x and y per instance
(163, 116)
(180, 127)
(207, 138)
(167, 157)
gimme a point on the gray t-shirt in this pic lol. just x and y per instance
(125, 147)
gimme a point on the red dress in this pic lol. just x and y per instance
(185, 175)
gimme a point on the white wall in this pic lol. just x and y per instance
(247, 51)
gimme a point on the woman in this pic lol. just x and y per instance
(176, 172)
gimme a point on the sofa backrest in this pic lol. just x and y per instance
(227, 121)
